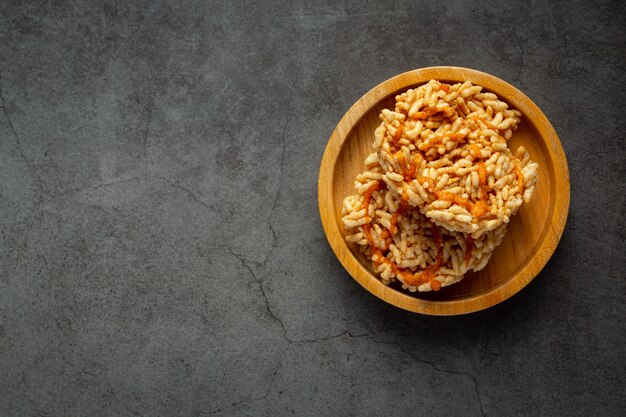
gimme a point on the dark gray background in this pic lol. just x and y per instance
(161, 249)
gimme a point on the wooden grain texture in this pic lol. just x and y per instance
(532, 235)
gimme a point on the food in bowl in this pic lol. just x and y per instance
(440, 187)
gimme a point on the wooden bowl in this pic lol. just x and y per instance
(531, 237)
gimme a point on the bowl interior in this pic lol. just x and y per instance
(525, 232)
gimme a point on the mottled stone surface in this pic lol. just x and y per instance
(160, 246)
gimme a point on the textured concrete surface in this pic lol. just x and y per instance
(161, 250)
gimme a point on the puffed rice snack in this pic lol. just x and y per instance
(440, 187)
(444, 150)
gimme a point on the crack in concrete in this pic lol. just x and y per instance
(79, 369)
(254, 399)
(101, 185)
(112, 183)
(255, 275)
(482, 357)
(33, 173)
(194, 195)
(281, 172)
(438, 368)
(522, 65)
(191, 193)
(279, 365)
(259, 281)
(273, 315)
(335, 336)
(347, 333)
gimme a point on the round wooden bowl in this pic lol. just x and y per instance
(531, 237)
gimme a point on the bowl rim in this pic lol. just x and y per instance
(521, 278)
